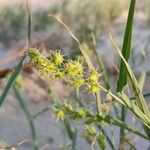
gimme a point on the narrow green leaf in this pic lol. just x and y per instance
(126, 47)
(11, 80)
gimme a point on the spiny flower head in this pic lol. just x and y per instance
(92, 82)
(41, 63)
(93, 76)
(57, 58)
(59, 73)
(74, 68)
(60, 114)
(93, 87)
(77, 82)
(81, 113)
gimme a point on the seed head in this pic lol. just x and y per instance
(93, 76)
(41, 63)
(93, 87)
(92, 82)
(77, 82)
(74, 68)
(60, 114)
(59, 74)
(81, 113)
(57, 58)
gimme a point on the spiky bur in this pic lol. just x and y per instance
(74, 68)
(66, 111)
(57, 58)
(59, 114)
(92, 81)
(41, 63)
(77, 82)
(71, 71)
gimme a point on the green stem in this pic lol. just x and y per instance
(41, 112)
(28, 116)
(117, 122)
(123, 116)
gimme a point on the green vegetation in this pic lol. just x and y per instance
(81, 74)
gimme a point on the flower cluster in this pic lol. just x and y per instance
(70, 70)
(41, 63)
(92, 81)
(67, 111)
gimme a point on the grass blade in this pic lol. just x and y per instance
(140, 101)
(124, 100)
(126, 47)
(11, 80)
(28, 116)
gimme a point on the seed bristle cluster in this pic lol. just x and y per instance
(70, 70)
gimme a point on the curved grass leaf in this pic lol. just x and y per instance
(126, 48)
(11, 80)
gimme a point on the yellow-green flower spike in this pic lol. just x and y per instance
(92, 82)
(41, 63)
(77, 82)
(59, 74)
(60, 114)
(74, 68)
(81, 113)
(93, 87)
(57, 58)
(93, 76)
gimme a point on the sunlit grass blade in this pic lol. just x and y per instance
(122, 81)
(28, 116)
(12, 80)
(126, 48)
(142, 80)
(124, 100)
(140, 101)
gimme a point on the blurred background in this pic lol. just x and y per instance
(86, 19)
